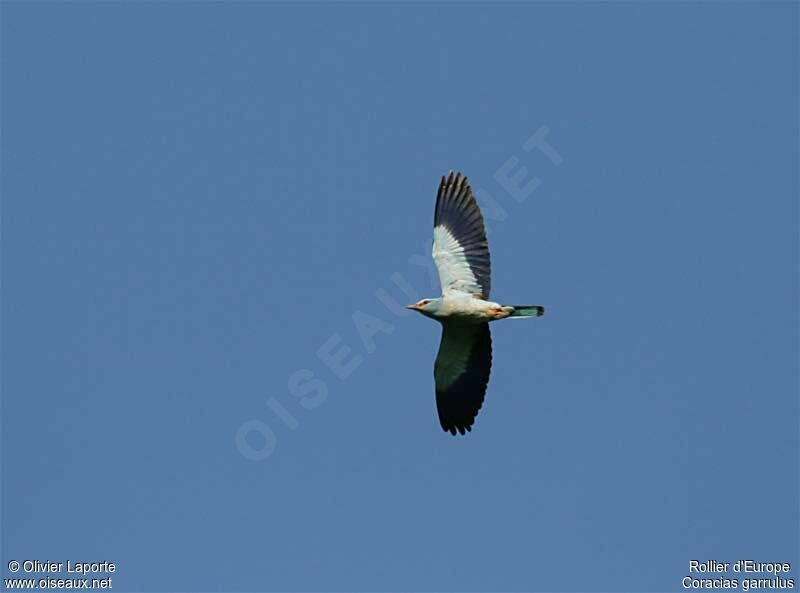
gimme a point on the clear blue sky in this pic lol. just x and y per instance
(198, 197)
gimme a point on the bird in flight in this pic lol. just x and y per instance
(461, 253)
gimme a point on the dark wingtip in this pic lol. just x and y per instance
(456, 430)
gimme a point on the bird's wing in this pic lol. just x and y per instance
(462, 373)
(460, 249)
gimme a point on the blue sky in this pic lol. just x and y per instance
(199, 198)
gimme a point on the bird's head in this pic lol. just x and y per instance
(428, 307)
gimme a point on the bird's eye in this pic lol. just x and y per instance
(423, 303)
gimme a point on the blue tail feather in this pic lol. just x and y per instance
(526, 311)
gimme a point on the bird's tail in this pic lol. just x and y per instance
(526, 311)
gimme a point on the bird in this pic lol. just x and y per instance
(461, 254)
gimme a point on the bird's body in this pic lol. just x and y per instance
(464, 308)
(461, 253)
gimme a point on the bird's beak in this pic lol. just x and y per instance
(414, 306)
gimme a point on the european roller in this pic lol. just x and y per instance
(461, 253)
